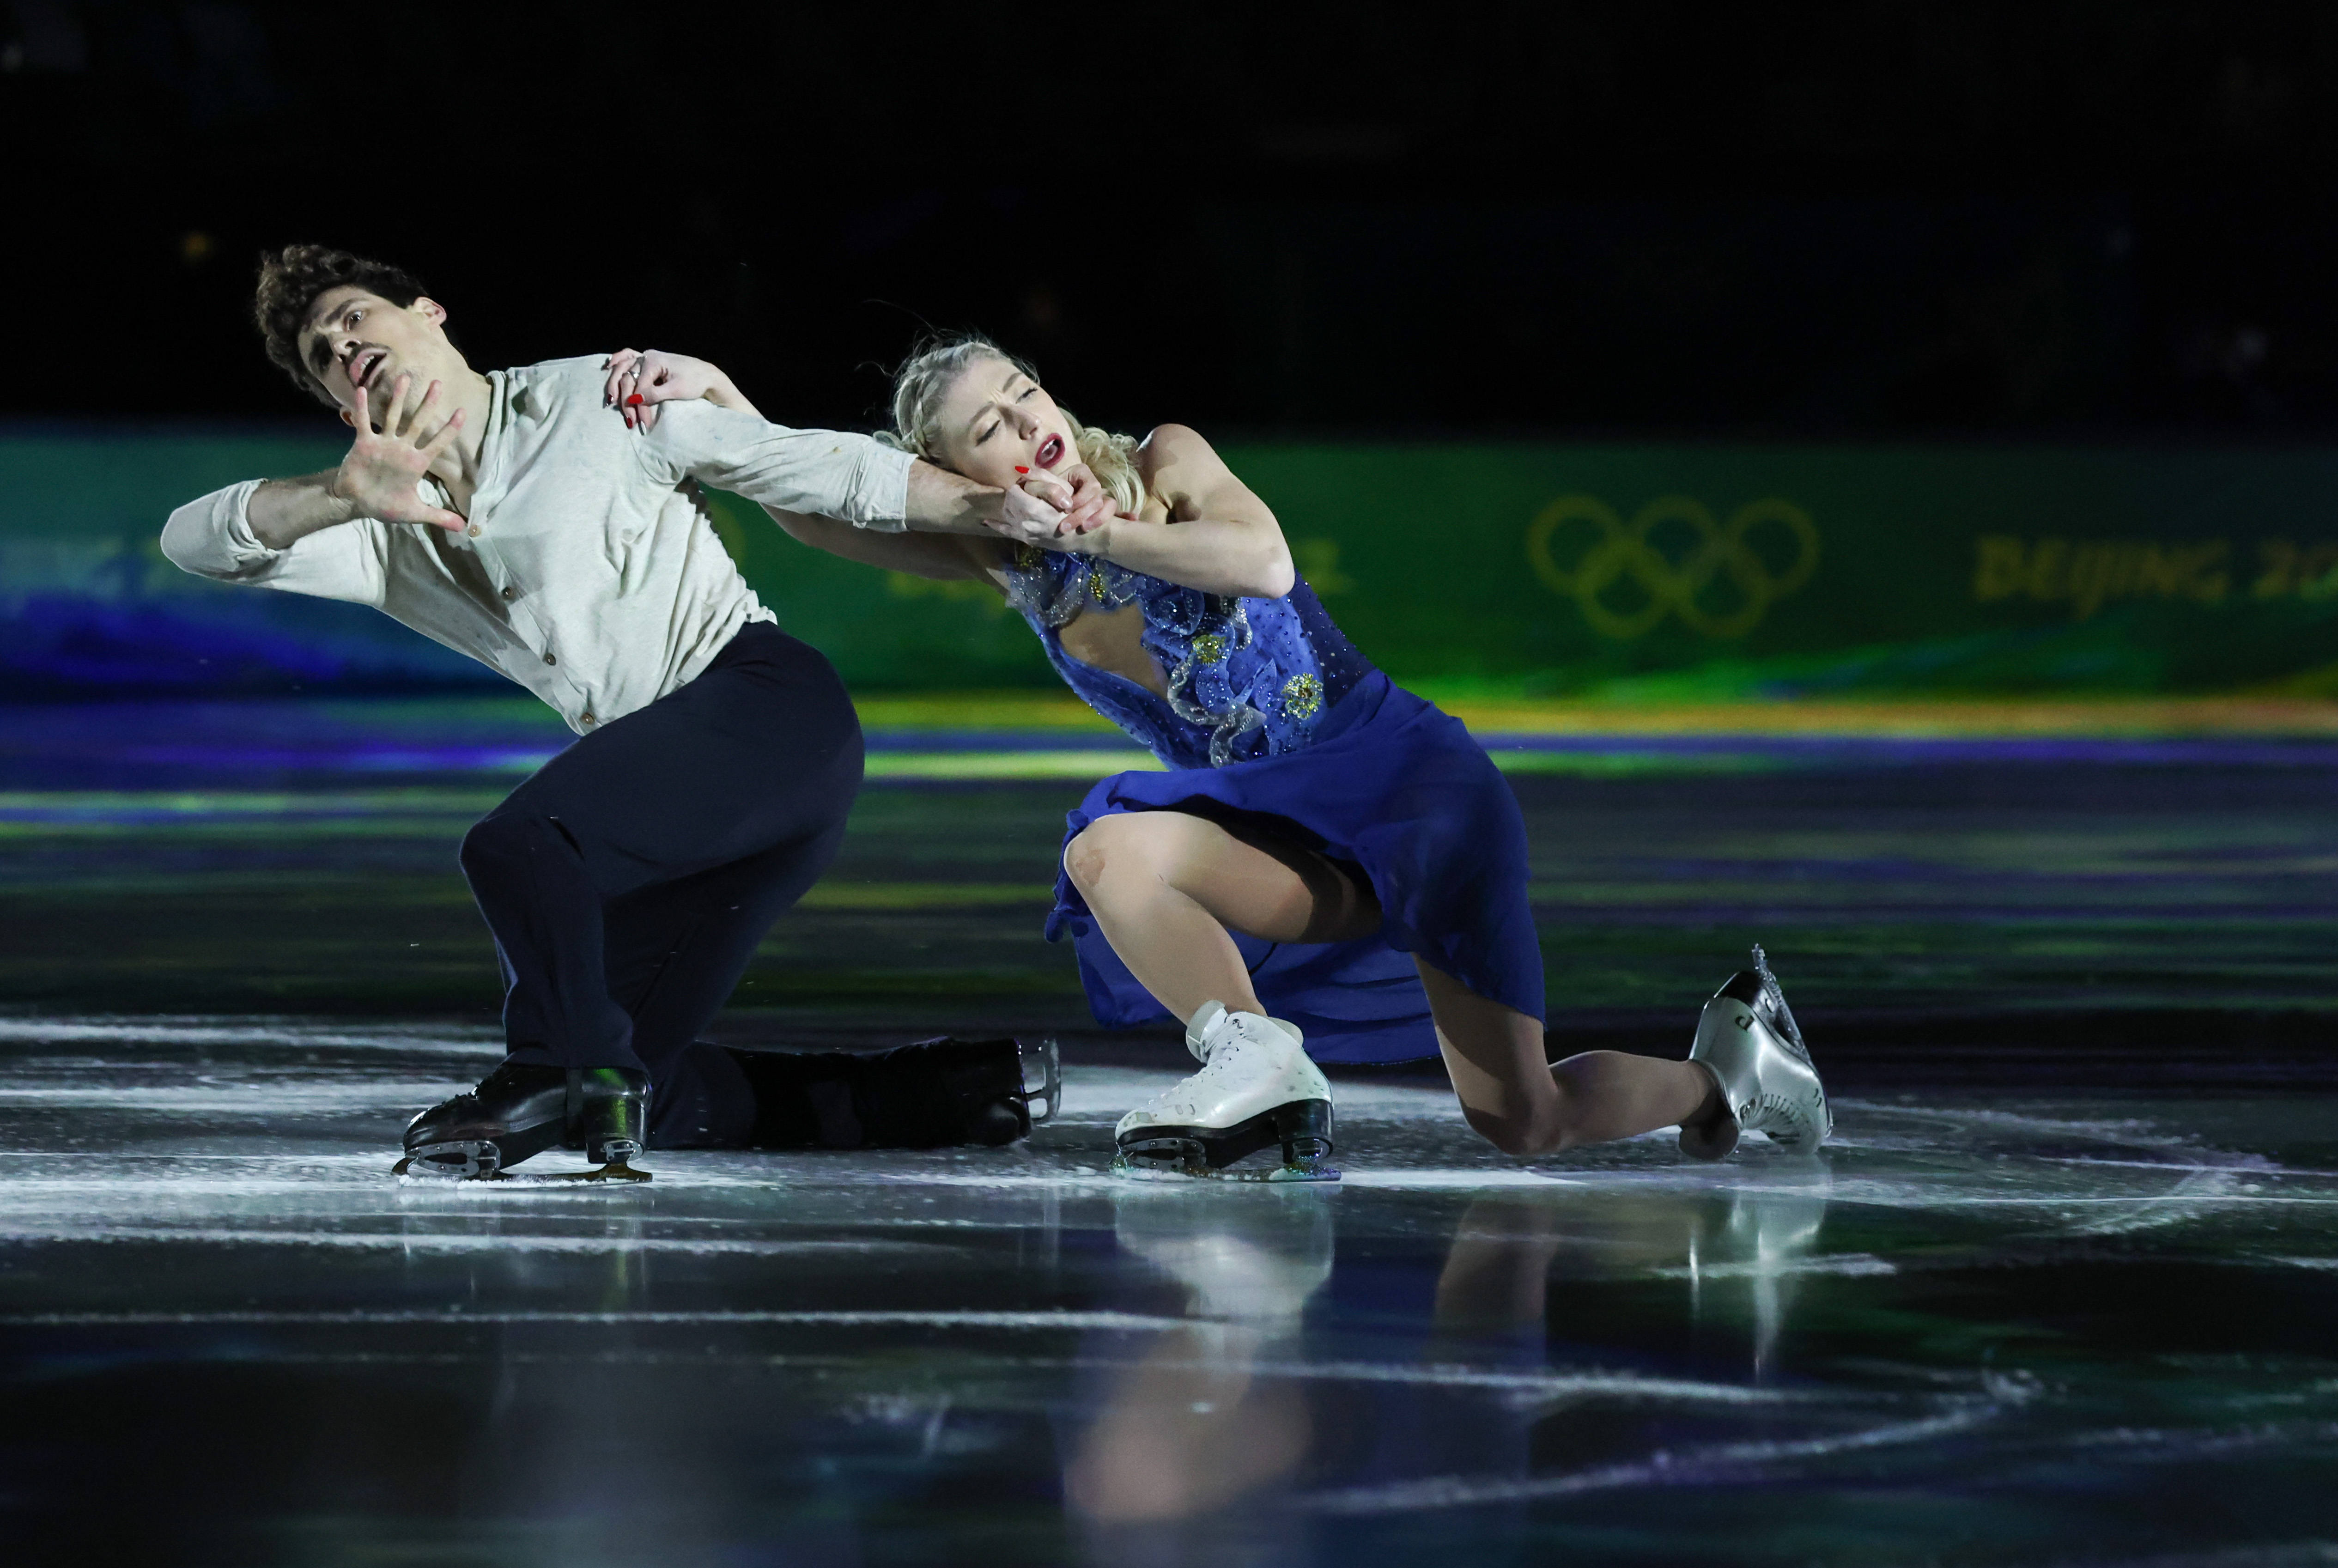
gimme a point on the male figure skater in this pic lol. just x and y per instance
(517, 518)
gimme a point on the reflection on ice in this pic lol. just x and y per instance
(1193, 1426)
(1217, 1414)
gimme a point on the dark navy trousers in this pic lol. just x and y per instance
(628, 882)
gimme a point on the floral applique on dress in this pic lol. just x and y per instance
(1247, 678)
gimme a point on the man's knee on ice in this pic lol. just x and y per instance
(506, 837)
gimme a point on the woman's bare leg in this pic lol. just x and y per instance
(1526, 1107)
(1165, 886)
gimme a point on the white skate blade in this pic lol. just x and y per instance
(482, 1162)
(1049, 1059)
(474, 1160)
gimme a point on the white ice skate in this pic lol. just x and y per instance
(1748, 1041)
(1256, 1088)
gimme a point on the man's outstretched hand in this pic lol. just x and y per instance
(387, 462)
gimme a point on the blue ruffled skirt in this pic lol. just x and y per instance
(1400, 791)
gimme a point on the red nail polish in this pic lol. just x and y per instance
(1021, 469)
(636, 397)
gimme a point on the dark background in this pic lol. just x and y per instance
(1863, 221)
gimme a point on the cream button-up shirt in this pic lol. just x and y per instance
(589, 572)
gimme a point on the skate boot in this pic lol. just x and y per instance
(990, 1086)
(1748, 1041)
(1256, 1088)
(518, 1112)
(933, 1095)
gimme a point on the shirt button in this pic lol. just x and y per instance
(589, 720)
(549, 659)
(510, 593)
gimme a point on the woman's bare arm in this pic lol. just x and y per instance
(1221, 539)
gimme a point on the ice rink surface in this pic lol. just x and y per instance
(1982, 1328)
(2063, 1291)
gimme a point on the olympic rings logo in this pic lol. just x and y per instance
(1673, 559)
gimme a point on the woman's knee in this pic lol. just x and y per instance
(1111, 850)
(1521, 1137)
(1500, 1130)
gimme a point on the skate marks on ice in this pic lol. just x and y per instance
(1051, 1322)
(273, 1133)
(302, 1109)
(247, 1035)
(1718, 1464)
(1617, 1341)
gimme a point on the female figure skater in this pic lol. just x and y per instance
(1330, 864)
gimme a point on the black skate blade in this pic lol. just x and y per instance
(430, 1174)
(1302, 1129)
(614, 1171)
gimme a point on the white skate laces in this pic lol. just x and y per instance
(1239, 1053)
(1750, 1042)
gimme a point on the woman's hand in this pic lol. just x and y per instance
(1044, 511)
(1084, 501)
(1221, 538)
(639, 381)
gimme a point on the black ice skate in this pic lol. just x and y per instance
(518, 1112)
(933, 1095)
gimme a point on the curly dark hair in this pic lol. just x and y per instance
(290, 282)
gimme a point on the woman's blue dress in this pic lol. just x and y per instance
(1273, 714)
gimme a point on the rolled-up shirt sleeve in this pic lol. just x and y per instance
(826, 473)
(213, 537)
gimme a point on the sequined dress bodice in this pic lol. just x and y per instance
(1248, 678)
